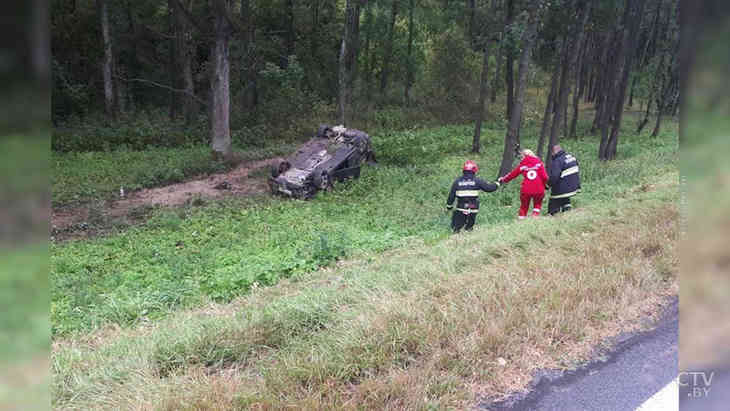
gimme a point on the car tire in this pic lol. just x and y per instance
(322, 180)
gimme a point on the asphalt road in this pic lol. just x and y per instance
(623, 379)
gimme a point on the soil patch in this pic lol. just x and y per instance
(95, 218)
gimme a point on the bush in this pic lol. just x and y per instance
(137, 131)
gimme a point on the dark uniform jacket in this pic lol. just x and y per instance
(465, 191)
(564, 175)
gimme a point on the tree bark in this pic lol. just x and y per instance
(561, 99)
(483, 91)
(220, 132)
(250, 94)
(570, 55)
(581, 50)
(511, 137)
(628, 52)
(606, 85)
(314, 7)
(604, 75)
(548, 109)
(347, 60)
(409, 61)
(472, 12)
(172, 62)
(667, 88)
(652, 92)
(367, 77)
(181, 70)
(498, 68)
(388, 49)
(290, 34)
(107, 60)
(509, 63)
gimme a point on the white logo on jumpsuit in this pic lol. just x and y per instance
(531, 171)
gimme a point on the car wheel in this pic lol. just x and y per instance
(322, 180)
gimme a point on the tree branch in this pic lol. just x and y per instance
(156, 84)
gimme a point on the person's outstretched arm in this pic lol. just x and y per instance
(487, 186)
(512, 174)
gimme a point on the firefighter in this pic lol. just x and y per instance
(564, 180)
(533, 183)
(465, 191)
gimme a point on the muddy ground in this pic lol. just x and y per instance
(95, 218)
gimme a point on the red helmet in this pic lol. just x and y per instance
(471, 166)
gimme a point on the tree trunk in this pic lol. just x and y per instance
(548, 109)
(669, 81)
(652, 92)
(290, 35)
(511, 137)
(107, 60)
(173, 61)
(581, 50)
(367, 78)
(409, 62)
(347, 60)
(220, 98)
(472, 12)
(606, 86)
(483, 90)
(604, 76)
(388, 49)
(508, 68)
(250, 94)
(570, 55)
(561, 99)
(190, 106)
(628, 51)
(631, 93)
(498, 73)
(314, 6)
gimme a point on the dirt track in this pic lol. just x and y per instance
(236, 182)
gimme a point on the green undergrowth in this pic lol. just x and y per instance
(381, 312)
(184, 257)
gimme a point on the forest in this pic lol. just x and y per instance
(178, 281)
(150, 73)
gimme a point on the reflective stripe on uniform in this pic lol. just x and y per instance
(468, 210)
(467, 193)
(570, 194)
(569, 171)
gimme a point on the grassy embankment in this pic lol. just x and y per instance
(434, 324)
(409, 316)
(188, 256)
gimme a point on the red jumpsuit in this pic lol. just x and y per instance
(533, 184)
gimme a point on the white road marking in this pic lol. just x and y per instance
(666, 399)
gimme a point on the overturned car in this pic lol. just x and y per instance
(333, 154)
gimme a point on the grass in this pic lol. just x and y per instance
(184, 258)
(426, 326)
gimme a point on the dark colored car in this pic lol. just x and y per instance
(333, 154)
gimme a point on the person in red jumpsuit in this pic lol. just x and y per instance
(533, 182)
